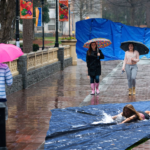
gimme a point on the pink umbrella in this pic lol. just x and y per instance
(9, 52)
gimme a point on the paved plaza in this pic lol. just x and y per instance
(29, 110)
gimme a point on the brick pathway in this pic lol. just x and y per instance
(29, 110)
(144, 146)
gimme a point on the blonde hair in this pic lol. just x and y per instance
(132, 109)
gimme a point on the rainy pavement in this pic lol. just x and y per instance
(29, 109)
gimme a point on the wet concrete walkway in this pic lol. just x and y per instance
(29, 110)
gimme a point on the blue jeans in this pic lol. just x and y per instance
(92, 78)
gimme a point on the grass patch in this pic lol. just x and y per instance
(137, 143)
(47, 38)
(52, 39)
(50, 44)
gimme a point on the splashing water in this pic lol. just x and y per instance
(108, 119)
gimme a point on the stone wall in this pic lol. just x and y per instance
(17, 85)
(36, 75)
(35, 66)
(68, 62)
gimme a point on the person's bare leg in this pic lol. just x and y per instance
(148, 112)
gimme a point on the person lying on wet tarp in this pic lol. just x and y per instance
(132, 115)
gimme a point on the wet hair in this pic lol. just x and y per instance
(90, 48)
(133, 111)
(133, 46)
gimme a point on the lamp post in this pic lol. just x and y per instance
(42, 2)
(69, 16)
(17, 24)
(56, 35)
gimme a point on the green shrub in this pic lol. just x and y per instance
(21, 45)
(68, 38)
(35, 47)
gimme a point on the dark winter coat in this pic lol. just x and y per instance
(94, 64)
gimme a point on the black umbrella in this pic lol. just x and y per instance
(140, 47)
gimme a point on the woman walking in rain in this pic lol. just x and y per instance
(130, 66)
(93, 57)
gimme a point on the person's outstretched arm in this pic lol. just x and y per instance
(129, 119)
(8, 77)
(114, 117)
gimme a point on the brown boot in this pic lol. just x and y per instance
(130, 91)
(133, 89)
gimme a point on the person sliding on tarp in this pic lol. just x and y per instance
(132, 115)
(94, 66)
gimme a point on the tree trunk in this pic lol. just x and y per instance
(27, 35)
(148, 14)
(33, 29)
(7, 15)
(81, 14)
(132, 16)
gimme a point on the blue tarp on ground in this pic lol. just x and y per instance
(116, 32)
(72, 128)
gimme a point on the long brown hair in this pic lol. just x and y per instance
(90, 48)
(133, 111)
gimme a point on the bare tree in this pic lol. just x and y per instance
(83, 8)
(133, 5)
(7, 15)
(148, 14)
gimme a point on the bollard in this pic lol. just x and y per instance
(2, 128)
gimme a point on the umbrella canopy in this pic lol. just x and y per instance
(140, 47)
(9, 52)
(101, 42)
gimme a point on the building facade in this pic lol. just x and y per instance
(78, 11)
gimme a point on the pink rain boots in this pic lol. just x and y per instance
(97, 89)
(93, 88)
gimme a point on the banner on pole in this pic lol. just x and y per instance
(63, 10)
(38, 11)
(26, 9)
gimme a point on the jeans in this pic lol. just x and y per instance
(131, 71)
(96, 78)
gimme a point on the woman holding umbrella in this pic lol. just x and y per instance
(94, 66)
(94, 54)
(130, 61)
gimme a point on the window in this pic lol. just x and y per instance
(52, 3)
(51, 27)
(52, 21)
